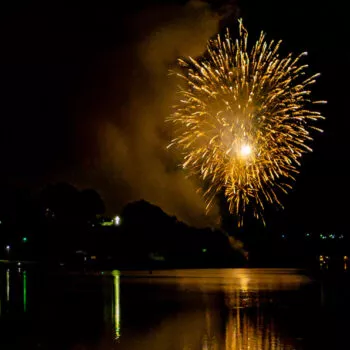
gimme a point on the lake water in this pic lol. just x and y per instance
(179, 309)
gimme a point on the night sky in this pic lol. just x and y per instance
(84, 92)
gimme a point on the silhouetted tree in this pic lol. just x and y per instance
(91, 204)
(60, 202)
(64, 204)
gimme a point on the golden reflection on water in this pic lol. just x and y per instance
(244, 325)
(222, 279)
(223, 309)
(244, 331)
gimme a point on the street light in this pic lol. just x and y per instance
(117, 220)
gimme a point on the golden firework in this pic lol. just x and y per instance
(243, 120)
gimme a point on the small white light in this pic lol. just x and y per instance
(117, 220)
(245, 150)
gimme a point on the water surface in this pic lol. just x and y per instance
(177, 309)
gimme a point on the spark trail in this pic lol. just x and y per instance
(243, 120)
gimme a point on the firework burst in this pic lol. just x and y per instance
(243, 120)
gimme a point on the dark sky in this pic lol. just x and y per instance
(84, 93)
(320, 198)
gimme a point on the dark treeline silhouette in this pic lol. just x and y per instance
(61, 224)
(21, 208)
(164, 237)
(47, 223)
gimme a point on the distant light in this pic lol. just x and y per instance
(346, 257)
(24, 239)
(245, 150)
(283, 236)
(321, 258)
(308, 235)
(18, 264)
(8, 248)
(117, 220)
(108, 223)
(204, 250)
(341, 236)
(93, 257)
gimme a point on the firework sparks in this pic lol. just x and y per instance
(243, 120)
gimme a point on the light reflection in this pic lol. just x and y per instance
(223, 279)
(116, 303)
(8, 284)
(346, 260)
(250, 330)
(209, 340)
(244, 323)
(246, 328)
(24, 276)
(218, 309)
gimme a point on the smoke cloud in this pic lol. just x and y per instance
(129, 128)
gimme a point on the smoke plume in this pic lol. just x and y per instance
(129, 125)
